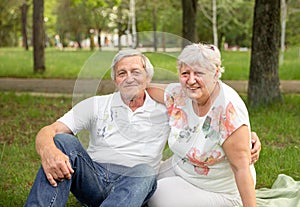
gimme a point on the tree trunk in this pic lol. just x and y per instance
(24, 11)
(133, 23)
(99, 39)
(283, 26)
(119, 28)
(189, 20)
(214, 22)
(78, 40)
(163, 37)
(264, 79)
(38, 37)
(154, 26)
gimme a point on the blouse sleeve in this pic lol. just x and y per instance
(234, 115)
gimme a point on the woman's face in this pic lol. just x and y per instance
(196, 82)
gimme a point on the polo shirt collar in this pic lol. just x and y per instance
(148, 105)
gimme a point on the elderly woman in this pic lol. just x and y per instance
(210, 137)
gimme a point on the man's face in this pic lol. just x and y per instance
(131, 77)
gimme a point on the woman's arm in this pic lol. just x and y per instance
(156, 91)
(237, 150)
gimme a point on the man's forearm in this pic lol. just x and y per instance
(44, 139)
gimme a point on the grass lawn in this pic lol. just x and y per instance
(15, 62)
(22, 115)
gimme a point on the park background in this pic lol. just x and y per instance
(72, 30)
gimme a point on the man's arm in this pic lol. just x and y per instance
(156, 91)
(55, 163)
(256, 147)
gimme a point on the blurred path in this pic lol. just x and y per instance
(66, 86)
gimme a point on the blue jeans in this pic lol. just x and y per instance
(92, 183)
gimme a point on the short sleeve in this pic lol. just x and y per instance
(81, 115)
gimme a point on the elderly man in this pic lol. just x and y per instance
(128, 131)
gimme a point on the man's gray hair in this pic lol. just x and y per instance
(129, 53)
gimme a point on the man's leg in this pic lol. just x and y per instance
(85, 178)
(130, 186)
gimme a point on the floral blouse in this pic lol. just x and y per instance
(197, 141)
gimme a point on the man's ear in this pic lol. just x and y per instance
(116, 85)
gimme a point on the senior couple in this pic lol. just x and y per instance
(205, 122)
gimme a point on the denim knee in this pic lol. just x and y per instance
(66, 142)
(148, 179)
(144, 170)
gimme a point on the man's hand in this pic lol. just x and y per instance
(256, 147)
(56, 165)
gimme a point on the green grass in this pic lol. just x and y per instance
(237, 65)
(21, 118)
(278, 128)
(22, 115)
(15, 62)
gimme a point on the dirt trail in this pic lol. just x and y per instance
(70, 86)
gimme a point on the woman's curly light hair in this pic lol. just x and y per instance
(204, 55)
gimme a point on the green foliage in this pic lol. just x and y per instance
(72, 19)
(234, 21)
(292, 27)
(10, 22)
(276, 126)
(168, 16)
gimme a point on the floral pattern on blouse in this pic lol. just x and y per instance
(178, 117)
(223, 123)
(201, 161)
(220, 122)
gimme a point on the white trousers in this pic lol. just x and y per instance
(173, 191)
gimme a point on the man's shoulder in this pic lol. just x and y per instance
(96, 100)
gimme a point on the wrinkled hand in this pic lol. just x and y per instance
(256, 147)
(56, 166)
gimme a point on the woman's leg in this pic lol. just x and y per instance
(176, 192)
(166, 169)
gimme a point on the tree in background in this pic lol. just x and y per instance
(211, 18)
(160, 17)
(292, 25)
(73, 21)
(189, 21)
(234, 20)
(9, 22)
(38, 37)
(287, 10)
(264, 83)
(227, 21)
(24, 10)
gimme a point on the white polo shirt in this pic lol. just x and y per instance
(117, 134)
